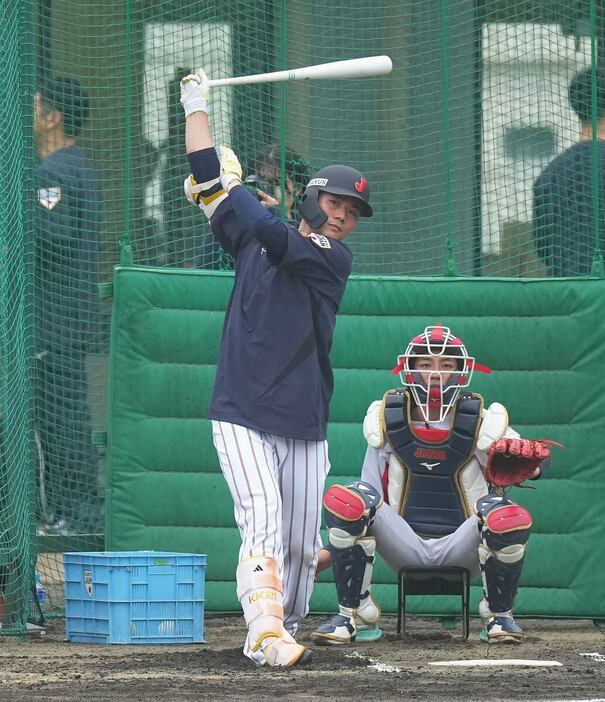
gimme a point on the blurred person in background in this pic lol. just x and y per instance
(565, 213)
(67, 224)
(266, 183)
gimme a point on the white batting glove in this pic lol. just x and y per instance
(192, 190)
(194, 92)
(231, 169)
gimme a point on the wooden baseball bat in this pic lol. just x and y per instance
(351, 68)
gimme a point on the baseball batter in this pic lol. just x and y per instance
(269, 407)
(432, 491)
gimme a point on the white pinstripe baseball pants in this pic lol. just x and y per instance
(277, 485)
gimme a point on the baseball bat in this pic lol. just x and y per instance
(351, 68)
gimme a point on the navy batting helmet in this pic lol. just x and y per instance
(338, 180)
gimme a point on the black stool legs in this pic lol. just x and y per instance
(433, 580)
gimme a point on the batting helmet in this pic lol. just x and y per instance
(338, 180)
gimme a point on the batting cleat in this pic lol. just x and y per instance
(278, 652)
(336, 632)
(502, 629)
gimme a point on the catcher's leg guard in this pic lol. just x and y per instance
(259, 589)
(350, 511)
(504, 529)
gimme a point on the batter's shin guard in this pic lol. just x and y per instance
(259, 589)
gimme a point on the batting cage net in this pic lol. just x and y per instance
(453, 143)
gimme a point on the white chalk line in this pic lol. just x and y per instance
(374, 664)
(594, 656)
(473, 662)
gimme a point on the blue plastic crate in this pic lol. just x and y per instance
(134, 597)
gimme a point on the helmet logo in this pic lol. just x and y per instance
(360, 185)
(318, 181)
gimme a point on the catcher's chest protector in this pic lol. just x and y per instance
(433, 500)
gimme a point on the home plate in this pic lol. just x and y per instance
(472, 662)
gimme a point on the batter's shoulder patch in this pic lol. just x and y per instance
(320, 240)
(49, 197)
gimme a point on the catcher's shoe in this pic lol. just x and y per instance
(502, 629)
(498, 628)
(336, 632)
(278, 652)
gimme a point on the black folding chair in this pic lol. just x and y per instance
(433, 580)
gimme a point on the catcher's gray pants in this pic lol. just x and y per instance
(401, 547)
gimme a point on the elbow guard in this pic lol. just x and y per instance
(207, 196)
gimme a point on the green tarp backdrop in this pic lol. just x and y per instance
(542, 340)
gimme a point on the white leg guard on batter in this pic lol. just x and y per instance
(259, 589)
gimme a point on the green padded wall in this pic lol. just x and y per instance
(544, 340)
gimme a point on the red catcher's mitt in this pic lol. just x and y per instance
(511, 461)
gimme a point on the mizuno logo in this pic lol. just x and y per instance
(430, 466)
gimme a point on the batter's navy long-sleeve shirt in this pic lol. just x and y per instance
(274, 373)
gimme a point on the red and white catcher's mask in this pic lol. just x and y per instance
(441, 391)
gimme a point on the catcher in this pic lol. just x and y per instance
(432, 492)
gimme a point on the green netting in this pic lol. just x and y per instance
(16, 434)
(452, 142)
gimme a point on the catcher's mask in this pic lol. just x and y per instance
(337, 180)
(444, 386)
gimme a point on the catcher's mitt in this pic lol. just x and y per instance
(511, 461)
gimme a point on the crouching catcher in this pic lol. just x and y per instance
(433, 492)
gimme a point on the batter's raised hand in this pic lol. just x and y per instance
(194, 92)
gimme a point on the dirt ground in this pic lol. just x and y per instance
(47, 668)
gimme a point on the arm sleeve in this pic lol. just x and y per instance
(269, 231)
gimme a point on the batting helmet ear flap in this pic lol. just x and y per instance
(309, 209)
